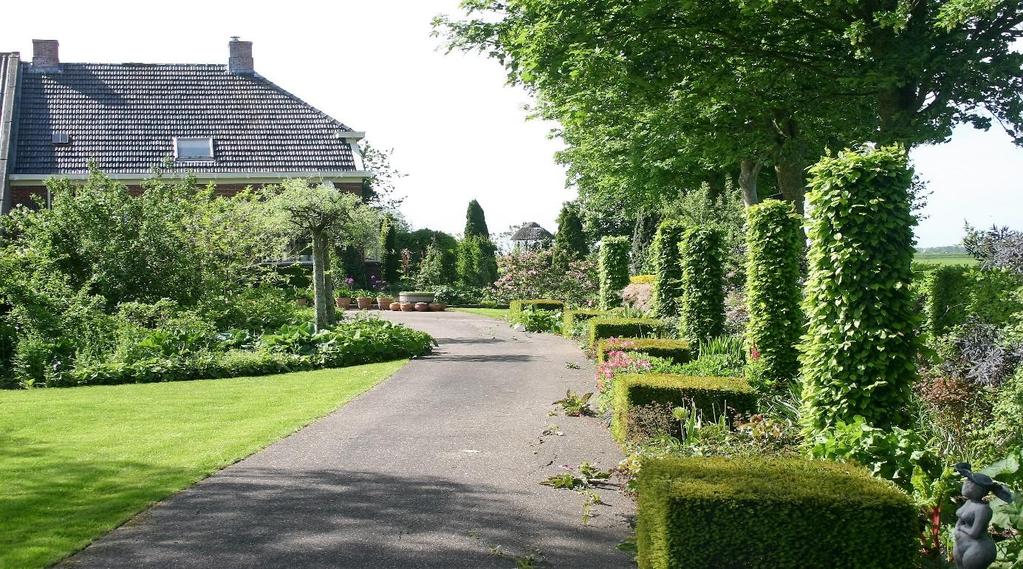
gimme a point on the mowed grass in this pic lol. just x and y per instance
(501, 313)
(77, 462)
(939, 259)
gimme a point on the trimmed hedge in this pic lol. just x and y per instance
(859, 352)
(601, 328)
(573, 317)
(710, 395)
(667, 270)
(517, 306)
(678, 351)
(614, 270)
(952, 294)
(756, 513)
(946, 292)
(702, 305)
(774, 241)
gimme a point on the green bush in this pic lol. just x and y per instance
(538, 320)
(390, 255)
(575, 318)
(859, 352)
(711, 396)
(667, 270)
(601, 328)
(678, 351)
(702, 304)
(614, 270)
(517, 306)
(774, 246)
(945, 291)
(476, 262)
(716, 513)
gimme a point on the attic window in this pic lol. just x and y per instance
(60, 138)
(193, 148)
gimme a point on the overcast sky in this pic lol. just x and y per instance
(457, 130)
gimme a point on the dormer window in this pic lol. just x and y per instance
(193, 148)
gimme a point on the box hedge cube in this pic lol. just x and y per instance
(573, 317)
(678, 351)
(761, 513)
(516, 306)
(711, 396)
(601, 328)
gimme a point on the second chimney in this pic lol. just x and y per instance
(45, 55)
(241, 57)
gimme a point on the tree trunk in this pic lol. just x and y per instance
(789, 171)
(748, 172)
(321, 289)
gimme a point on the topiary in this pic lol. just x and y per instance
(475, 221)
(702, 304)
(667, 269)
(859, 351)
(570, 241)
(774, 240)
(614, 271)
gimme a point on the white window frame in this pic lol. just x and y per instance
(207, 139)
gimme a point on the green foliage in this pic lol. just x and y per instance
(476, 264)
(517, 306)
(433, 269)
(756, 513)
(575, 320)
(710, 396)
(643, 233)
(475, 222)
(667, 268)
(953, 294)
(702, 304)
(570, 241)
(944, 291)
(678, 351)
(775, 244)
(859, 351)
(1006, 429)
(601, 328)
(390, 255)
(575, 405)
(420, 242)
(538, 274)
(538, 320)
(614, 271)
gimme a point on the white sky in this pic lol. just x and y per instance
(457, 130)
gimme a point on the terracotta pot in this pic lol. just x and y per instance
(384, 302)
(343, 302)
(364, 302)
(301, 302)
(422, 307)
(438, 307)
(407, 306)
(396, 306)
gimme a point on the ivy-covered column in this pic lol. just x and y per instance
(702, 304)
(614, 270)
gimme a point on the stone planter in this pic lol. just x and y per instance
(415, 297)
(395, 306)
(343, 302)
(422, 307)
(438, 307)
(384, 302)
(364, 302)
(407, 306)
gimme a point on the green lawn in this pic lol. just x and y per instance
(501, 313)
(949, 259)
(77, 462)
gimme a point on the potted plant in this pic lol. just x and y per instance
(344, 293)
(384, 302)
(416, 296)
(363, 300)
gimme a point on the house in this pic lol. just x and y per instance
(222, 123)
(531, 236)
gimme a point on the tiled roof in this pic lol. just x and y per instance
(125, 116)
(531, 232)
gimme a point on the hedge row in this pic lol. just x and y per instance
(517, 306)
(667, 272)
(702, 304)
(601, 328)
(678, 351)
(574, 317)
(952, 294)
(711, 396)
(713, 513)
(614, 270)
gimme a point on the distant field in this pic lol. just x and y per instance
(944, 259)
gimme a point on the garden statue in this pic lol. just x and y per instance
(974, 548)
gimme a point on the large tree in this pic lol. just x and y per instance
(570, 241)
(475, 221)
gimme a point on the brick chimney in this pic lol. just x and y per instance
(45, 56)
(241, 57)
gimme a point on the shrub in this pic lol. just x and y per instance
(1006, 430)
(774, 245)
(476, 262)
(614, 271)
(754, 513)
(678, 351)
(702, 304)
(953, 294)
(859, 352)
(945, 291)
(390, 255)
(538, 320)
(534, 274)
(667, 269)
(711, 396)
(601, 328)
(517, 306)
(574, 319)
(570, 241)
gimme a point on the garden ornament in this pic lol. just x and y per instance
(974, 548)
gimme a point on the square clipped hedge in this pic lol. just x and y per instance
(757, 513)
(710, 395)
(516, 306)
(678, 351)
(573, 317)
(601, 328)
